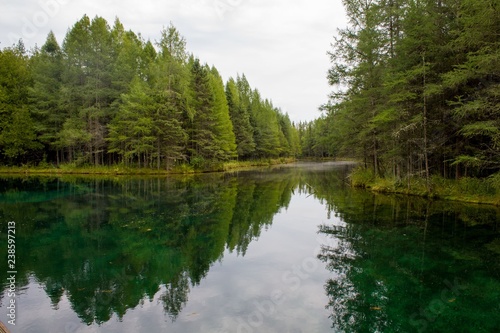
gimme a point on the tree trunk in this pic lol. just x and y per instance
(158, 164)
(426, 154)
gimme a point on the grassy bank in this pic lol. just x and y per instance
(473, 190)
(69, 169)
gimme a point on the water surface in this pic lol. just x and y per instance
(288, 249)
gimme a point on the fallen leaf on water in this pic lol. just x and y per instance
(452, 300)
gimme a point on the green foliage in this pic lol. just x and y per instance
(223, 125)
(267, 133)
(466, 189)
(109, 97)
(46, 68)
(18, 137)
(316, 139)
(240, 118)
(361, 177)
(417, 89)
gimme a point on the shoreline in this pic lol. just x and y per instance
(467, 190)
(483, 191)
(135, 171)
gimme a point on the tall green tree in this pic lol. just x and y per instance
(212, 136)
(18, 137)
(131, 132)
(76, 49)
(416, 84)
(88, 79)
(147, 129)
(224, 127)
(358, 60)
(170, 84)
(240, 118)
(108, 96)
(264, 120)
(47, 69)
(203, 143)
(128, 60)
(473, 86)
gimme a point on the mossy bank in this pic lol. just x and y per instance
(71, 169)
(466, 189)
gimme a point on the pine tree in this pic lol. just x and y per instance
(473, 87)
(46, 68)
(108, 96)
(18, 137)
(76, 49)
(170, 80)
(223, 125)
(88, 79)
(127, 51)
(203, 142)
(241, 121)
(131, 133)
(266, 129)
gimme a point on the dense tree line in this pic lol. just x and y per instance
(107, 96)
(417, 88)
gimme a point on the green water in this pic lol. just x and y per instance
(289, 249)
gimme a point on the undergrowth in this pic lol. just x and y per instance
(198, 166)
(467, 189)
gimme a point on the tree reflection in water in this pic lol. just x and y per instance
(111, 245)
(405, 264)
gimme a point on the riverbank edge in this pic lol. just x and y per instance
(467, 190)
(120, 170)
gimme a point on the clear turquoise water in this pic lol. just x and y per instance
(289, 249)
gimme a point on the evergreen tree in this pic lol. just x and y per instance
(211, 134)
(359, 57)
(127, 52)
(223, 125)
(203, 142)
(76, 48)
(241, 120)
(88, 78)
(170, 80)
(473, 86)
(131, 132)
(46, 68)
(421, 82)
(266, 129)
(107, 96)
(18, 138)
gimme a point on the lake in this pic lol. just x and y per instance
(284, 249)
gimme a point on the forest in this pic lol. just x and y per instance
(415, 94)
(416, 89)
(107, 97)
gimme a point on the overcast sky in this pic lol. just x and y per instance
(280, 45)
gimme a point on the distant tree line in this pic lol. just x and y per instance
(417, 89)
(107, 96)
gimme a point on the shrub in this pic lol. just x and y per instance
(361, 177)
